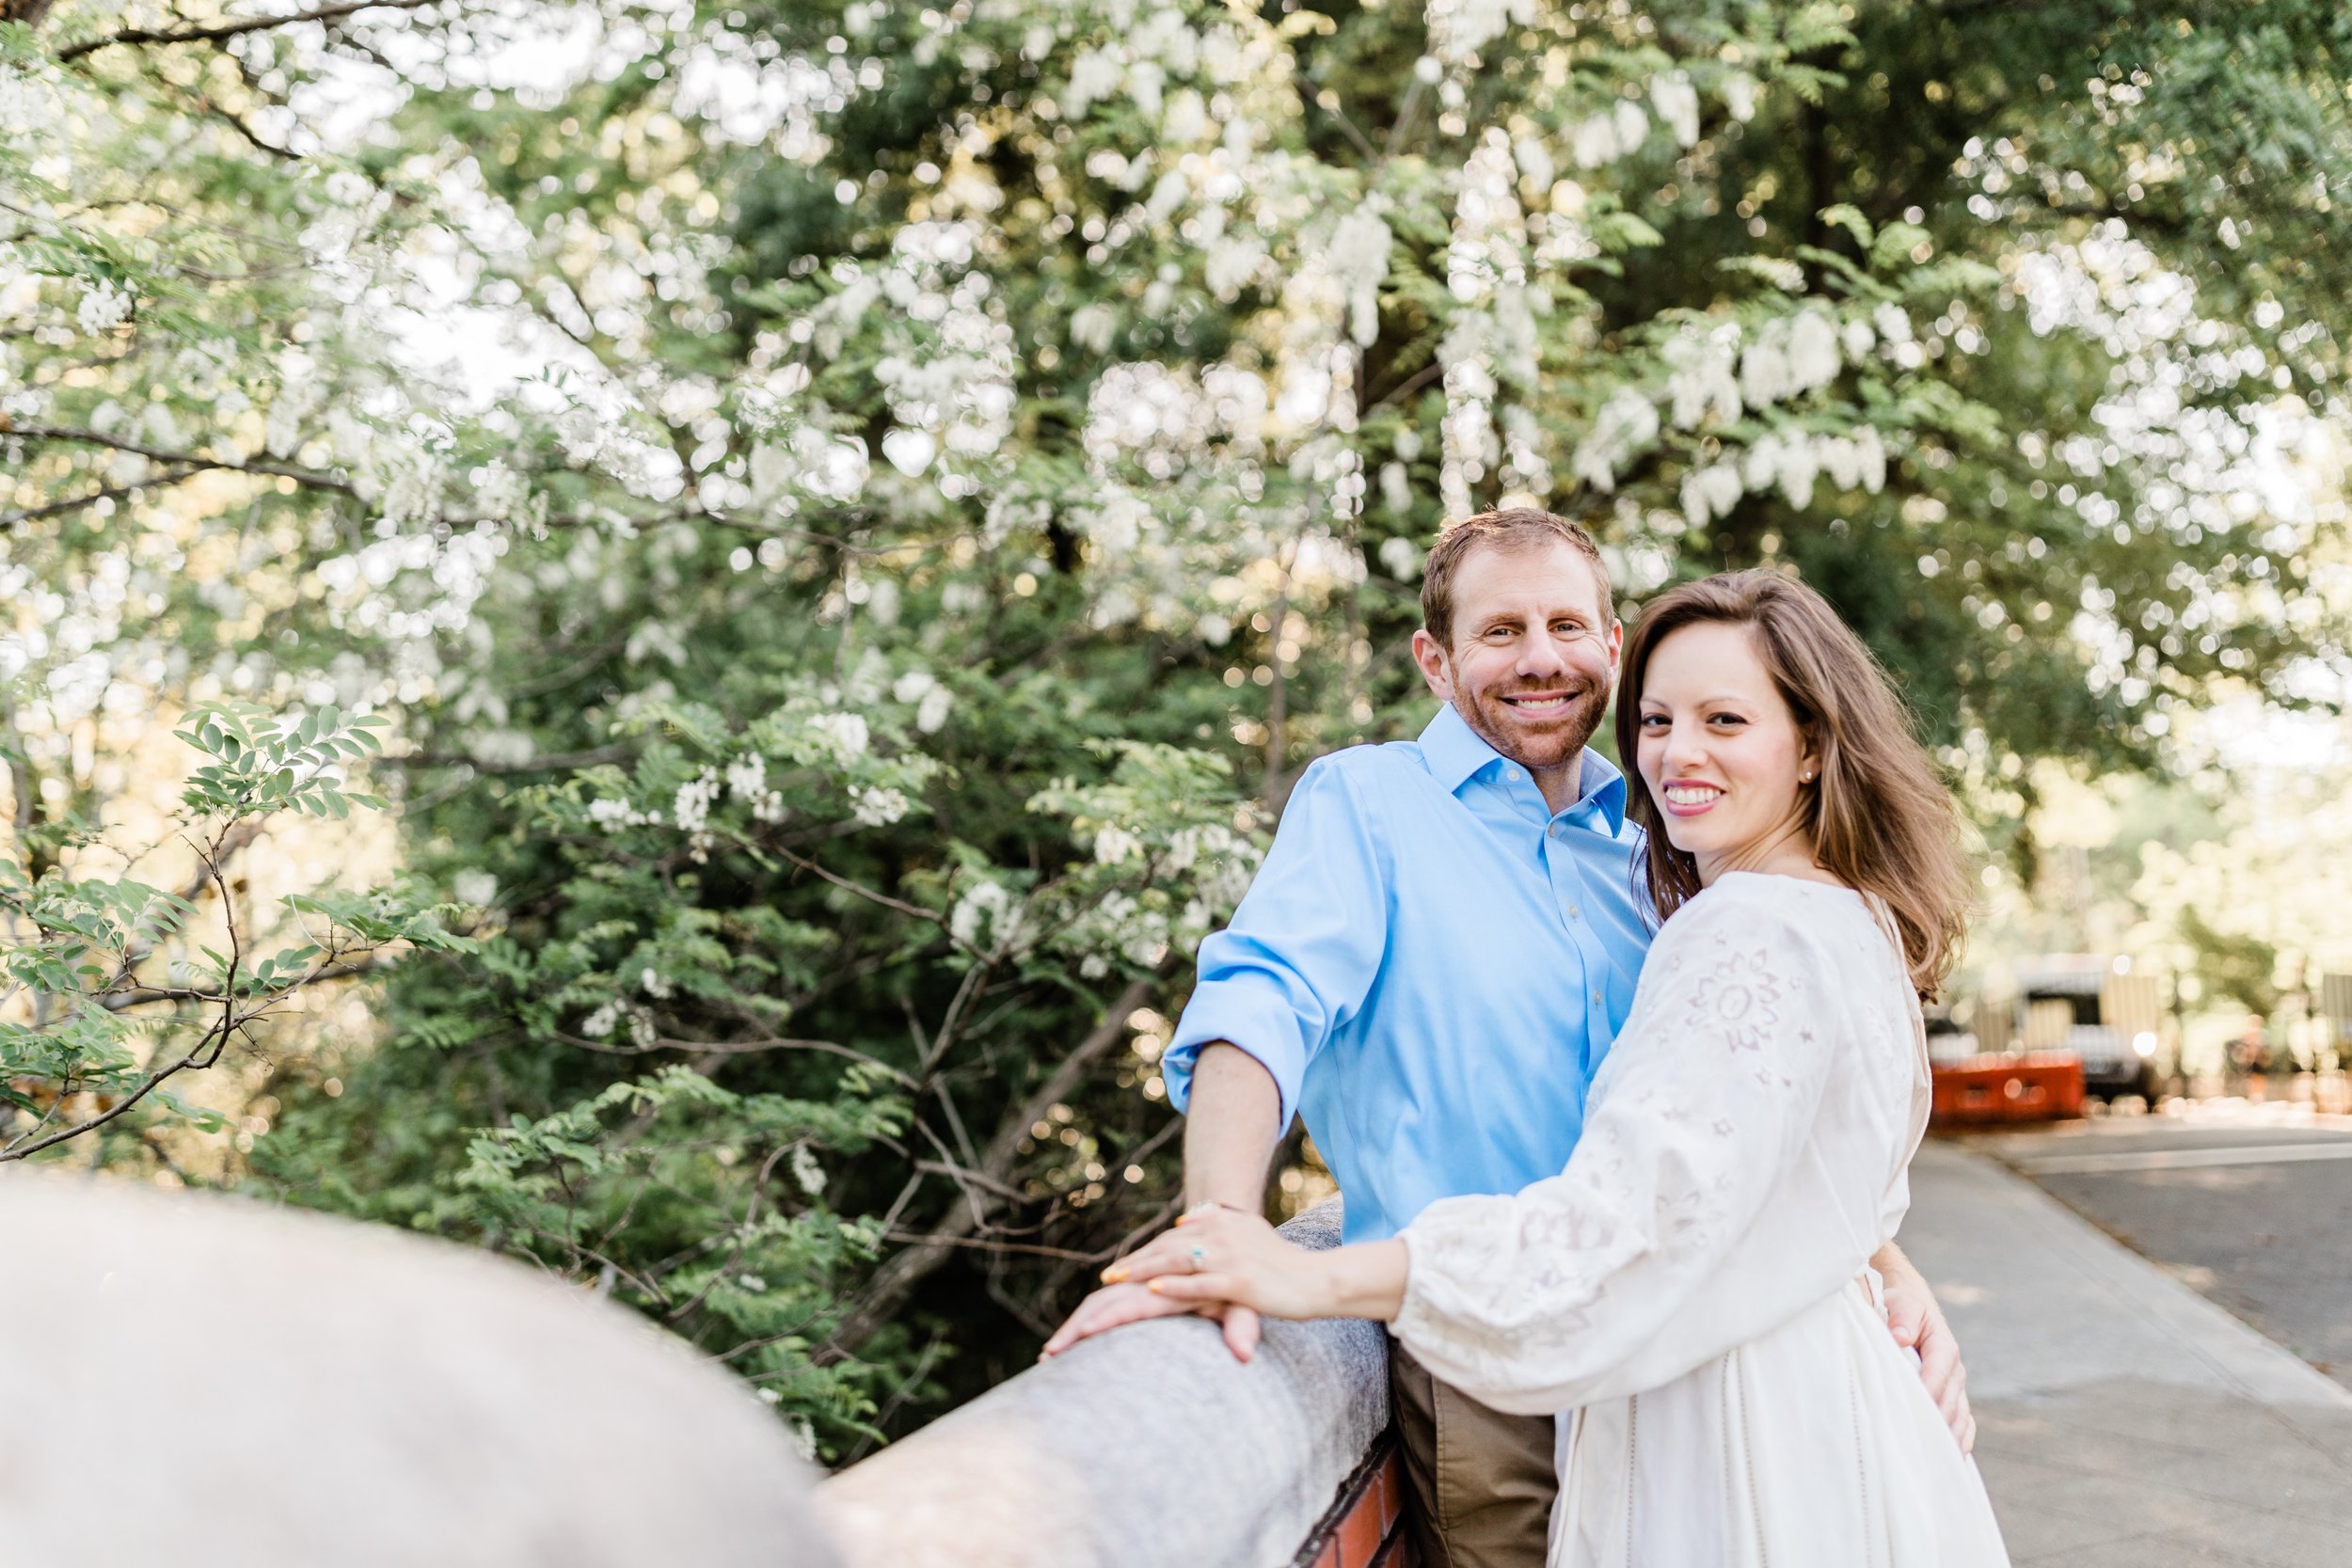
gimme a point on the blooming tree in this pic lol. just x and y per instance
(857, 513)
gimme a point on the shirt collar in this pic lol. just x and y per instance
(1454, 753)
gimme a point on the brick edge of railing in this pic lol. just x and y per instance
(1364, 1526)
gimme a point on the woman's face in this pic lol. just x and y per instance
(1720, 752)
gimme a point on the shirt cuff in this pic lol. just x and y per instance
(1263, 1026)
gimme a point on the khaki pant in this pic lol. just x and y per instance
(1483, 1482)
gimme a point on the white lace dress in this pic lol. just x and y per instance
(1687, 1290)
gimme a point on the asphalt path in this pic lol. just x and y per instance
(2248, 1205)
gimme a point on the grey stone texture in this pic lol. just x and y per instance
(1150, 1448)
(212, 1384)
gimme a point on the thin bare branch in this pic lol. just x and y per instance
(309, 477)
(221, 32)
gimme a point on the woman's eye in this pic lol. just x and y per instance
(1653, 720)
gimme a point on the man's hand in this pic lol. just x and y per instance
(1917, 1324)
(1117, 1306)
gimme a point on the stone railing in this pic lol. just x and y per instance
(1150, 1448)
(218, 1385)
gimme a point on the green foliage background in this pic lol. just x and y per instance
(948, 468)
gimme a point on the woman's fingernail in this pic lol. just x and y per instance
(1153, 1287)
(1184, 1220)
(1112, 1276)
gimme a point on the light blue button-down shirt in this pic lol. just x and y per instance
(1431, 963)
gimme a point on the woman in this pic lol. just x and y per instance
(1692, 1289)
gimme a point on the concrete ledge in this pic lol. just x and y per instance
(212, 1384)
(1150, 1448)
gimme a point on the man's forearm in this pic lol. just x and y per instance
(1231, 1125)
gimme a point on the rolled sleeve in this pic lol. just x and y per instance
(1303, 949)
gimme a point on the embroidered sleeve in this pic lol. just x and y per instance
(1707, 1098)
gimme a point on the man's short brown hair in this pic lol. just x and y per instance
(1517, 527)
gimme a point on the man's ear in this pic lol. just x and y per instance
(1435, 667)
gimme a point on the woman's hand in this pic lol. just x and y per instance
(1117, 1306)
(1222, 1256)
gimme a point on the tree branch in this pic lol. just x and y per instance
(226, 30)
(309, 477)
(896, 1278)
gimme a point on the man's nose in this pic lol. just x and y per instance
(1541, 657)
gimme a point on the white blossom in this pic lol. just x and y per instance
(474, 886)
(931, 712)
(875, 807)
(807, 1172)
(1112, 845)
(988, 903)
(1739, 94)
(599, 1025)
(1459, 28)
(104, 308)
(1701, 377)
(1625, 423)
(1594, 142)
(1892, 324)
(1094, 75)
(747, 776)
(845, 733)
(1677, 103)
(1764, 376)
(1358, 257)
(1399, 556)
(1857, 338)
(1814, 360)
(1712, 492)
(691, 808)
(656, 984)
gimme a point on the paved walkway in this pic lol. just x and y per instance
(2123, 1418)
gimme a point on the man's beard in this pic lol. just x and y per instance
(1550, 747)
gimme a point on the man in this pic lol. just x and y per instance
(1437, 954)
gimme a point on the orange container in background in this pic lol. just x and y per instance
(2039, 1085)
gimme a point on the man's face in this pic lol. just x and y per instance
(1535, 650)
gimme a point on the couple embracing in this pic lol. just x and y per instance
(1620, 1081)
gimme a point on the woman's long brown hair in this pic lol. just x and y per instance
(1878, 818)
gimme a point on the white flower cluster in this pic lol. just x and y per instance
(988, 908)
(1113, 845)
(104, 307)
(1790, 356)
(844, 734)
(951, 390)
(1458, 29)
(1358, 257)
(1789, 461)
(608, 813)
(875, 807)
(807, 1172)
(1486, 270)
(1626, 423)
(931, 701)
(691, 807)
(747, 782)
(1677, 103)
(599, 1025)
(1603, 138)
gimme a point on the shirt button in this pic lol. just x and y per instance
(1596, 999)
(1559, 830)
(1510, 775)
(1575, 913)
